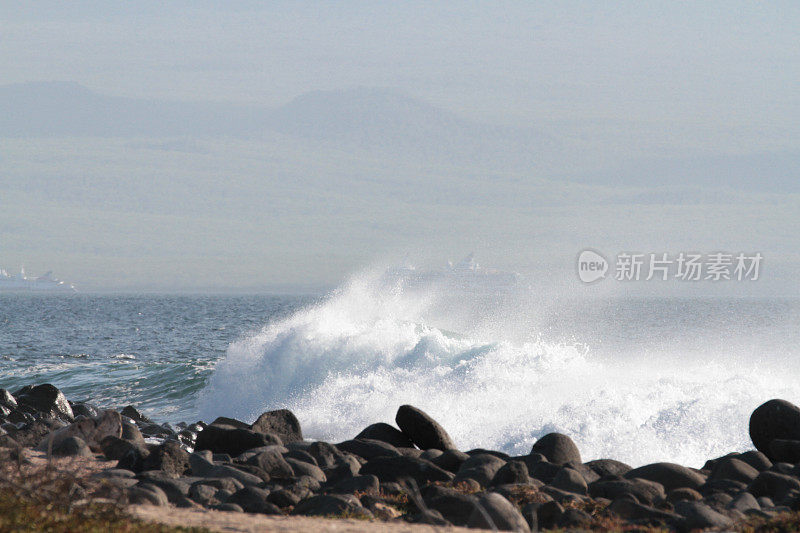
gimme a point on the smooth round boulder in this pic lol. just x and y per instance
(558, 448)
(281, 422)
(672, 476)
(423, 430)
(231, 440)
(502, 515)
(386, 433)
(46, 399)
(775, 419)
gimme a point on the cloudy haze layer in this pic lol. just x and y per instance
(214, 146)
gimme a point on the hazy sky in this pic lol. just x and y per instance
(647, 125)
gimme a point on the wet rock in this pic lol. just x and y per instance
(254, 500)
(697, 515)
(785, 451)
(386, 433)
(558, 449)
(423, 430)
(670, 475)
(775, 419)
(368, 449)
(513, 472)
(282, 423)
(482, 468)
(47, 400)
(331, 505)
(7, 399)
(773, 485)
(134, 414)
(231, 440)
(494, 511)
(84, 409)
(167, 457)
(608, 467)
(399, 469)
(570, 480)
(733, 468)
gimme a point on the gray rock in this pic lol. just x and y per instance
(450, 460)
(147, 494)
(609, 467)
(130, 456)
(756, 459)
(423, 430)
(646, 492)
(283, 498)
(456, 507)
(346, 467)
(697, 515)
(134, 414)
(570, 480)
(386, 433)
(47, 400)
(305, 469)
(91, 430)
(773, 485)
(513, 472)
(325, 453)
(331, 505)
(202, 467)
(399, 469)
(630, 510)
(368, 449)
(167, 457)
(273, 463)
(482, 468)
(735, 469)
(7, 399)
(775, 419)
(282, 423)
(494, 511)
(231, 440)
(367, 484)
(558, 449)
(573, 518)
(744, 502)
(72, 447)
(254, 500)
(670, 475)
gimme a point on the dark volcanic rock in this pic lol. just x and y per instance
(785, 451)
(46, 399)
(346, 467)
(513, 472)
(558, 449)
(570, 480)
(168, 457)
(84, 409)
(398, 469)
(254, 500)
(775, 419)
(282, 423)
(455, 506)
(273, 463)
(733, 468)
(134, 414)
(630, 510)
(773, 485)
(450, 460)
(366, 484)
(306, 469)
(756, 459)
(130, 455)
(482, 468)
(368, 449)
(697, 515)
(501, 514)
(225, 421)
(72, 447)
(331, 505)
(7, 399)
(647, 492)
(423, 430)
(670, 475)
(609, 467)
(386, 433)
(231, 440)
(573, 519)
(325, 453)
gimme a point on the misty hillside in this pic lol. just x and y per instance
(371, 119)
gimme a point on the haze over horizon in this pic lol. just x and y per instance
(204, 146)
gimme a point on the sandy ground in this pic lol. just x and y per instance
(250, 523)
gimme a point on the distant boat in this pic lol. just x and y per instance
(22, 283)
(466, 275)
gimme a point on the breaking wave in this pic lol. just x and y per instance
(370, 346)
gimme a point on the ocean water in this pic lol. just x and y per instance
(638, 380)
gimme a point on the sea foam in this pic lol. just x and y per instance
(353, 358)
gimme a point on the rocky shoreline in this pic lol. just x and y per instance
(409, 473)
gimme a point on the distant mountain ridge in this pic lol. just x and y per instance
(367, 118)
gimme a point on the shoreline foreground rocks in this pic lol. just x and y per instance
(413, 472)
